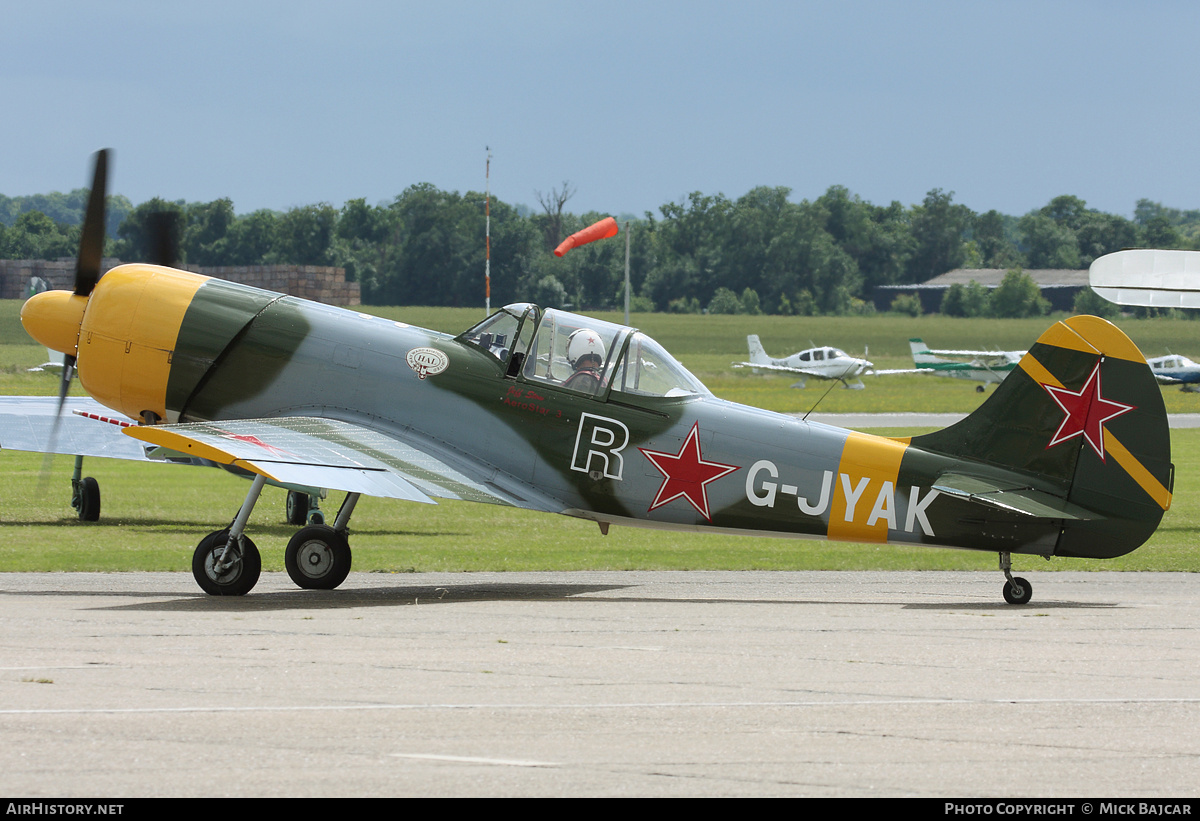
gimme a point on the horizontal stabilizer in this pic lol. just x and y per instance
(1014, 498)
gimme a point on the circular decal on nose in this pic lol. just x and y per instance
(426, 361)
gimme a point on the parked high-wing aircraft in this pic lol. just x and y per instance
(1148, 277)
(552, 411)
(978, 366)
(815, 363)
(1153, 278)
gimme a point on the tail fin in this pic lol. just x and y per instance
(1083, 411)
(758, 355)
(921, 354)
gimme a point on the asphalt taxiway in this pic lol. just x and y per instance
(602, 684)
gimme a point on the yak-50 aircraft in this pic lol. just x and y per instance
(814, 363)
(552, 411)
(988, 367)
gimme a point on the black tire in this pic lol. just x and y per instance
(1018, 591)
(237, 580)
(89, 499)
(317, 558)
(297, 508)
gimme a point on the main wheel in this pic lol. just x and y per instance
(297, 507)
(317, 558)
(88, 499)
(236, 580)
(1018, 591)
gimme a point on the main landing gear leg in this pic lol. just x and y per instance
(318, 556)
(226, 562)
(1016, 589)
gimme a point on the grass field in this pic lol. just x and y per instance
(154, 515)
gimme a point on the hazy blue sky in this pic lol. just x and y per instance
(278, 104)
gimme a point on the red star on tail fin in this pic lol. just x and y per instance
(1086, 412)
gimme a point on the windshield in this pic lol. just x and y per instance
(505, 331)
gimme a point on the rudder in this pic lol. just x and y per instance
(758, 355)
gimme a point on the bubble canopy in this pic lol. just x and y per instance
(534, 345)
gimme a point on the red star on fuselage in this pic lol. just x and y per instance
(686, 473)
(1086, 412)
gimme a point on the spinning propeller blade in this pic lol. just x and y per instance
(87, 274)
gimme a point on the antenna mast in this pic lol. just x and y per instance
(487, 210)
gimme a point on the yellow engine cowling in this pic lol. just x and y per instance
(127, 330)
(128, 336)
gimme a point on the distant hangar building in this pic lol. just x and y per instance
(1058, 285)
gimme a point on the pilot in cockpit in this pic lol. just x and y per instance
(585, 353)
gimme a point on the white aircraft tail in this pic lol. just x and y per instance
(758, 355)
(921, 354)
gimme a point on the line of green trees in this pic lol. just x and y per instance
(759, 252)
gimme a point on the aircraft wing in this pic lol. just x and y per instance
(1147, 276)
(990, 359)
(785, 369)
(86, 428)
(1163, 379)
(340, 455)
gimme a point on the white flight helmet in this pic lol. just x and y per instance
(584, 342)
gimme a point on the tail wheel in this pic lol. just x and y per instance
(317, 558)
(1017, 591)
(222, 575)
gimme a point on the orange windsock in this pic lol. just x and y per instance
(603, 229)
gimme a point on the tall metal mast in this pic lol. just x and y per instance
(487, 210)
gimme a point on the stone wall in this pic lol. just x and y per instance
(314, 282)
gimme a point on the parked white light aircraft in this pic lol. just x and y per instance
(979, 366)
(815, 363)
(1174, 369)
